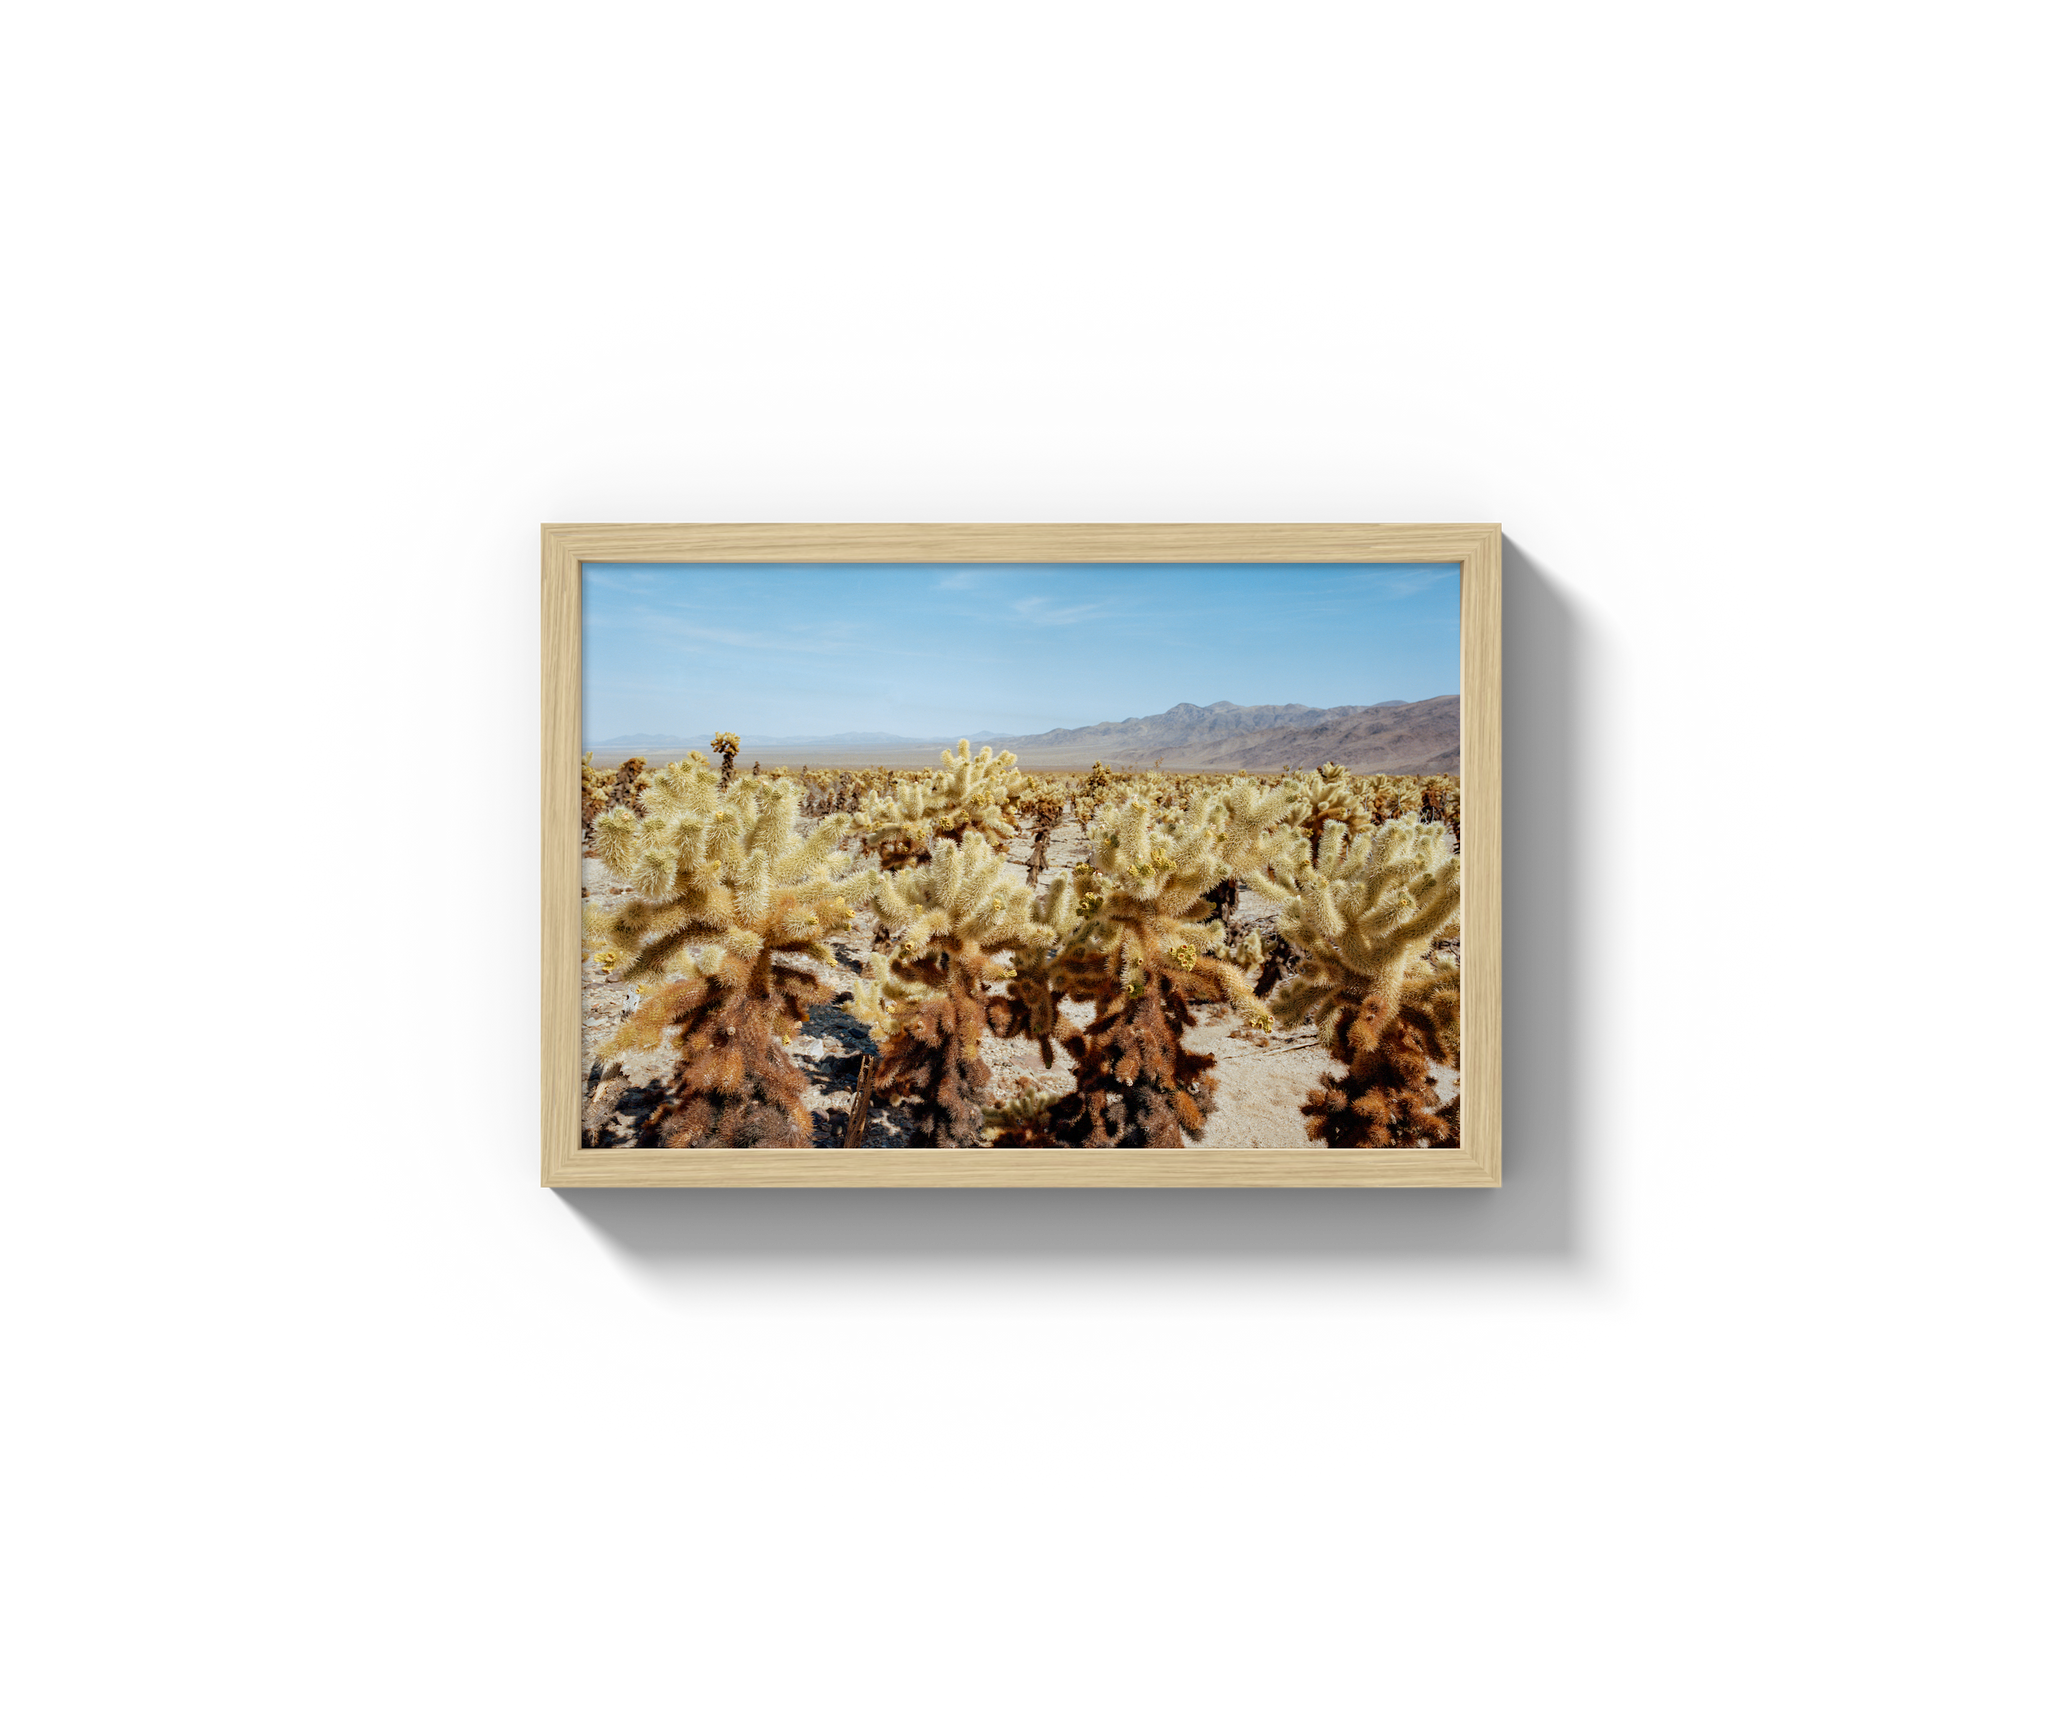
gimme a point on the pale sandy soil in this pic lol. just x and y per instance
(1261, 1078)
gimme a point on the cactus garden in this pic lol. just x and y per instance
(822, 946)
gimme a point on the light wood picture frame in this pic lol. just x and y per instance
(1475, 550)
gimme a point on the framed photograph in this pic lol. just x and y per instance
(1021, 856)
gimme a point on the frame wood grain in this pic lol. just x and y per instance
(1475, 549)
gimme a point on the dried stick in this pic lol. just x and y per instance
(857, 1119)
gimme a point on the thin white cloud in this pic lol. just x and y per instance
(858, 641)
(1034, 612)
(649, 583)
(669, 626)
(1410, 581)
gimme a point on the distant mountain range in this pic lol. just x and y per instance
(773, 742)
(1388, 738)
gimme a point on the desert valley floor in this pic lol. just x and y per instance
(1261, 1077)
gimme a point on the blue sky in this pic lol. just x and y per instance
(938, 650)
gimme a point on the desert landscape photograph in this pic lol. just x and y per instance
(1020, 857)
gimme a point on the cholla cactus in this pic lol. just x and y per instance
(955, 919)
(1146, 948)
(977, 790)
(597, 791)
(1442, 802)
(1392, 796)
(970, 792)
(727, 746)
(1093, 791)
(626, 783)
(1031, 1008)
(1279, 959)
(1330, 795)
(1247, 951)
(1366, 914)
(1265, 960)
(1027, 1122)
(722, 886)
(1043, 801)
(896, 831)
(1041, 855)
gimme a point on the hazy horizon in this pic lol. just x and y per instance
(946, 649)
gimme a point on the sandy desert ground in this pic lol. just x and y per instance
(1261, 1077)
